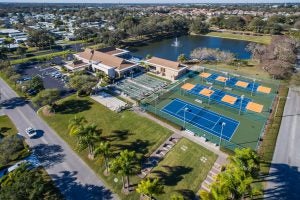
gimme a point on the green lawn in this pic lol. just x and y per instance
(6, 126)
(125, 130)
(266, 39)
(40, 57)
(252, 70)
(182, 172)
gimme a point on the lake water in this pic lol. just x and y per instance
(187, 44)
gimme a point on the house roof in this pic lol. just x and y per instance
(111, 50)
(164, 63)
(104, 58)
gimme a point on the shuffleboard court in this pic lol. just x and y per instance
(202, 118)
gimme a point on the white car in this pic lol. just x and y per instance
(30, 132)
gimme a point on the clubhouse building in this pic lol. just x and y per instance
(115, 63)
(107, 60)
(166, 68)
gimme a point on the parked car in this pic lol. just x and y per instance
(30, 132)
(31, 92)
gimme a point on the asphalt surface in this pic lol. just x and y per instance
(71, 175)
(283, 181)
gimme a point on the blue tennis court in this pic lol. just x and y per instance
(199, 117)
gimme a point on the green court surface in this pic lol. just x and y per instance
(252, 124)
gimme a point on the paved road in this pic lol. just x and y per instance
(72, 176)
(284, 179)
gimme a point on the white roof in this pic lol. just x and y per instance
(7, 31)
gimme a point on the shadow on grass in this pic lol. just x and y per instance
(71, 188)
(187, 194)
(73, 106)
(139, 146)
(3, 131)
(172, 174)
(48, 155)
(118, 135)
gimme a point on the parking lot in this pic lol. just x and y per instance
(51, 76)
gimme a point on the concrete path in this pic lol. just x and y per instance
(283, 181)
(71, 175)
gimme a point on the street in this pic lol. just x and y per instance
(283, 181)
(71, 175)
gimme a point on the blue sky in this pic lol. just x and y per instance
(154, 1)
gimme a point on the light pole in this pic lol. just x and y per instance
(223, 124)
(280, 97)
(242, 98)
(253, 87)
(185, 109)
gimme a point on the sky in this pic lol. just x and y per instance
(153, 1)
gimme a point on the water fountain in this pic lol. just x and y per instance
(176, 43)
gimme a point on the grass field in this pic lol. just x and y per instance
(182, 172)
(266, 39)
(252, 70)
(251, 124)
(6, 126)
(40, 57)
(124, 130)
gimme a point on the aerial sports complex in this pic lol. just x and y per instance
(225, 109)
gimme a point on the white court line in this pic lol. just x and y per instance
(212, 131)
(216, 123)
(213, 113)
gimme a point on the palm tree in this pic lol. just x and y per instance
(76, 124)
(246, 160)
(87, 138)
(150, 187)
(125, 164)
(104, 150)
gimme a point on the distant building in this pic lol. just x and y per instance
(105, 60)
(166, 68)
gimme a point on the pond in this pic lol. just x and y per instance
(186, 44)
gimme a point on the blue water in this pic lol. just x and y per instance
(164, 48)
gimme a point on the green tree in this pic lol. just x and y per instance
(76, 124)
(247, 160)
(87, 137)
(15, 77)
(125, 165)
(104, 150)
(47, 97)
(83, 83)
(150, 187)
(10, 147)
(21, 51)
(177, 197)
(182, 58)
(198, 26)
(36, 83)
(40, 38)
(257, 25)
(28, 185)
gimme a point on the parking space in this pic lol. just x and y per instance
(52, 77)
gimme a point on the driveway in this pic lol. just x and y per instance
(71, 175)
(283, 181)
